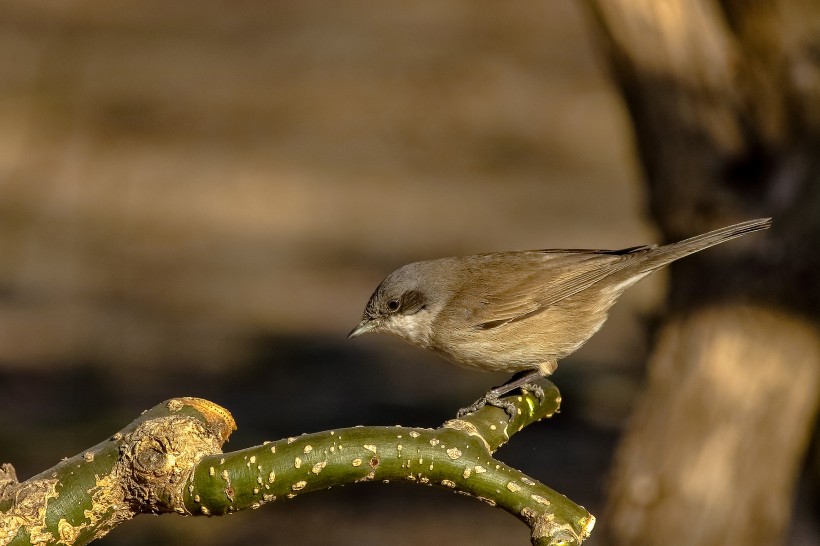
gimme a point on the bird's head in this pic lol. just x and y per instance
(404, 305)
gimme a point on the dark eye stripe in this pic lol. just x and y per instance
(411, 299)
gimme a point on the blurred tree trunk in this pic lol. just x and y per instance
(725, 101)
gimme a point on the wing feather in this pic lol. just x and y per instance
(559, 275)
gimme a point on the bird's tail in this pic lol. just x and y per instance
(669, 253)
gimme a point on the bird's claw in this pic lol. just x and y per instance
(491, 400)
(494, 399)
(535, 389)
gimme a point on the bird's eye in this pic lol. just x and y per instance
(393, 305)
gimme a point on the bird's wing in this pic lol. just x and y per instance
(563, 274)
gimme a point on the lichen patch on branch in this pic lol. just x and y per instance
(29, 508)
(546, 529)
(469, 428)
(159, 456)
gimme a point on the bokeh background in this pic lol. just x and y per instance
(197, 198)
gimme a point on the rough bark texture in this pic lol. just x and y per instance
(725, 100)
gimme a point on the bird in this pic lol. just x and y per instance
(519, 311)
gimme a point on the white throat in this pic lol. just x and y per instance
(416, 328)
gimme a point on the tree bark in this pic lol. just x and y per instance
(725, 101)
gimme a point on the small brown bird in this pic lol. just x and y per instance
(517, 311)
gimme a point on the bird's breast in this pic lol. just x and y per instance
(519, 345)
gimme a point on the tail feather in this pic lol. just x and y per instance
(668, 253)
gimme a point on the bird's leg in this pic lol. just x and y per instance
(520, 379)
(524, 379)
(545, 369)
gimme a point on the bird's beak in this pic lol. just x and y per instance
(364, 326)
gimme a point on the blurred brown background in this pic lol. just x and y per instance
(197, 198)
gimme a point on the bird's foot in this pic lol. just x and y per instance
(491, 400)
(524, 380)
(535, 389)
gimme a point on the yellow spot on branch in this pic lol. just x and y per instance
(540, 500)
(514, 487)
(491, 502)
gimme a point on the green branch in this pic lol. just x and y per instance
(170, 460)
